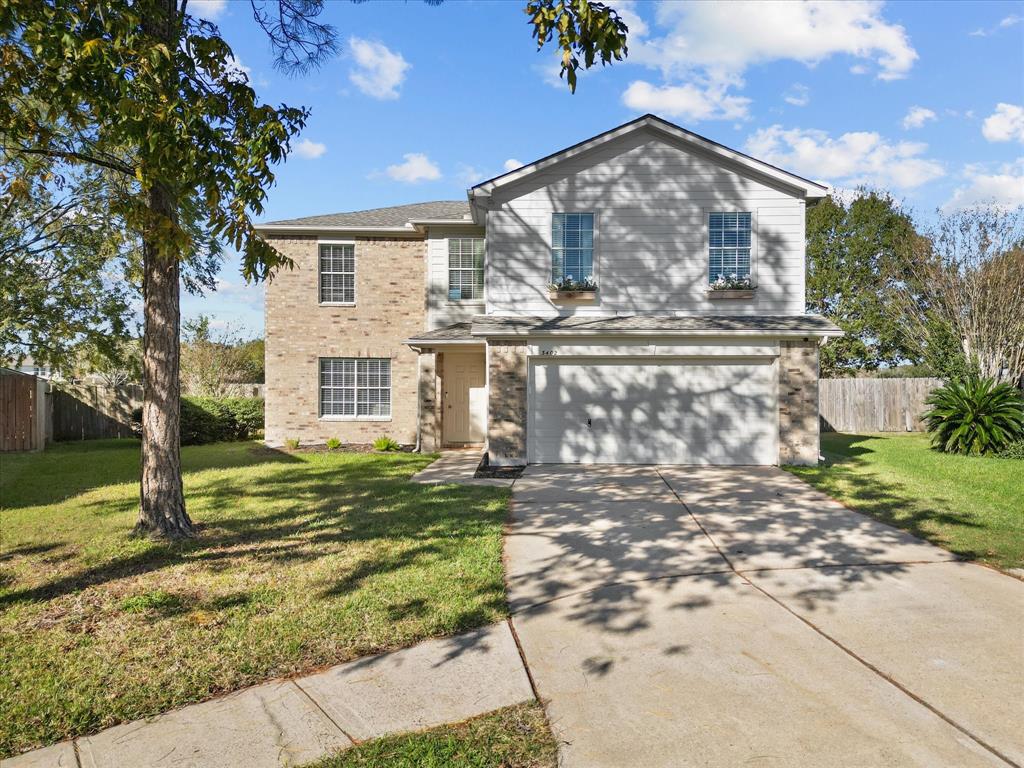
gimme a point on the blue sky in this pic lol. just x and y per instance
(923, 99)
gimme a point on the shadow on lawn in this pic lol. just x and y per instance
(66, 470)
(317, 510)
(846, 473)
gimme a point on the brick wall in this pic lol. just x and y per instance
(390, 307)
(506, 427)
(798, 402)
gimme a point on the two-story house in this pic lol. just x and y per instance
(435, 324)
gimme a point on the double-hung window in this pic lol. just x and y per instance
(572, 246)
(729, 245)
(355, 386)
(465, 269)
(338, 273)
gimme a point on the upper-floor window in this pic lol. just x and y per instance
(465, 268)
(338, 273)
(729, 245)
(572, 246)
(355, 386)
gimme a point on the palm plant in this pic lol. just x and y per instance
(975, 416)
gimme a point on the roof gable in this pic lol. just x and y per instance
(714, 151)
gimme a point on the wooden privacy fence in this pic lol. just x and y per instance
(22, 412)
(89, 411)
(874, 405)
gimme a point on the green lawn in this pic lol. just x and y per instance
(304, 560)
(970, 505)
(514, 737)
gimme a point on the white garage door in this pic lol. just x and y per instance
(608, 411)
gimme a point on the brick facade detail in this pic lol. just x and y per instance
(506, 403)
(390, 307)
(798, 402)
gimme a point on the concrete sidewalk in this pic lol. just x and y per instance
(292, 722)
(458, 467)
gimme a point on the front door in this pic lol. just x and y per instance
(465, 397)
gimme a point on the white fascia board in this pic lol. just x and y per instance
(311, 229)
(750, 332)
(810, 189)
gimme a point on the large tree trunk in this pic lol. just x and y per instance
(162, 508)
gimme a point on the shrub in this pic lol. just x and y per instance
(1014, 450)
(292, 443)
(215, 419)
(333, 444)
(385, 444)
(975, 416)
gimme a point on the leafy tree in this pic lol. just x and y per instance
(964, 300)
(65, 267)
(856, 253)
(212, 360)
(148, 95)
(253, 360)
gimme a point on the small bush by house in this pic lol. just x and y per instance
(215, 419)
(975, 416)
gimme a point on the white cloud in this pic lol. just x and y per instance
(1004, 187)
(798, 95)
(850, 160)
(858, 69)
(310, 150)
(207, 9)
(512, 164)
(379, 71)
(703, 50)
(1005, 124)
(686, 101)
(468, 174)
(725, 38)
(1004, 23)
(417, 167)
(916, 117)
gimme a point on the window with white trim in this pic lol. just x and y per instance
(337, 273)
(572, 246)
(729, 245)
(355, 386)
(465, 268)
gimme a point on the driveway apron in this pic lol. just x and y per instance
(675, 616)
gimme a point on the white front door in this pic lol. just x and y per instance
(608, 411)
(464, 397)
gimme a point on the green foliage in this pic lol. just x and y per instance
(855, 253)
(975, 416)
(333, 444)
(252, 354)
(65, 267)
(1014, 450)
(385, 444)
(215, 419)
(292, 443)
(584, 28)
(587, 284)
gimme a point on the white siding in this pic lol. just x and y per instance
(650, 198)
(441, 311)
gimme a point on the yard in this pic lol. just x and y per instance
(304, 560)
(970, 505)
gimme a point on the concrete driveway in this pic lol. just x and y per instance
(676, 616)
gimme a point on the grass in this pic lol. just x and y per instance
(304, 560)
(968, 504)
(514, 737)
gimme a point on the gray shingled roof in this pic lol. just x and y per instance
(812, 324)
(395, 216)
(455, 332)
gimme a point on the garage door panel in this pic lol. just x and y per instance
(615, 411)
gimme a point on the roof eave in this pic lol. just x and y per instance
(315, 228)
(810, 189)
(524, 332)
